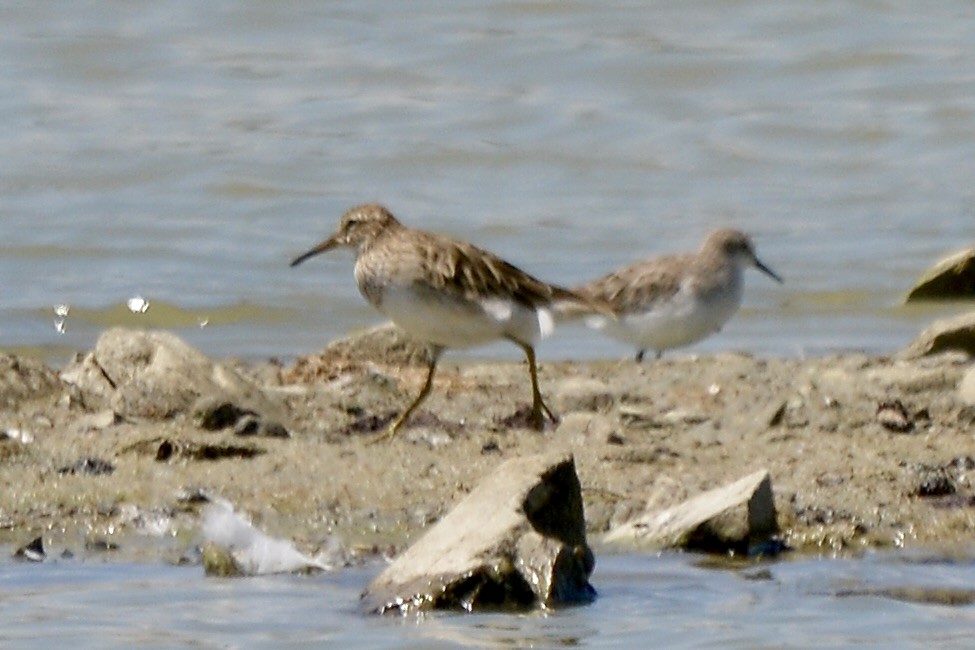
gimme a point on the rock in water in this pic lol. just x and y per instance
(517, 541)
(733, 518)
(951, 278)
(33, 552)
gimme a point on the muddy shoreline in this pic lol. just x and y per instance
(864, 452)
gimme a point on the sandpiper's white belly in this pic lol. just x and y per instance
(683, 319)
(452, 323)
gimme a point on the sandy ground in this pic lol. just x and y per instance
(864, 452)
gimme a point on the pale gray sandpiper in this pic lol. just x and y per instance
(450, 294)
(672, 301)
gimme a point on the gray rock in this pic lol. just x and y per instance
(250, 425)
(154, 374)
(517, 541)
(956, 333)
(32, 552)
(952, 277)
(213, 413)
(894, 416)
(934, 483)
(733, 518)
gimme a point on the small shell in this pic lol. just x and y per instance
(893, 416)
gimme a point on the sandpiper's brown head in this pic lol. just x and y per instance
(736, 245)
(358, 229)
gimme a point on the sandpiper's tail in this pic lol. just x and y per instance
(569, 305)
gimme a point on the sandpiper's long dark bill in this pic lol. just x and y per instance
(324, 247)
(449, 293)
(672, 301)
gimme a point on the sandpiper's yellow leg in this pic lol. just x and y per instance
(424, 392)
(539, 409)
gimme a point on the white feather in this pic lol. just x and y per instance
(456, 323)
(254, 552)
(546, 322)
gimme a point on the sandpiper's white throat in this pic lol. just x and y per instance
(449, 293)
(672, 301)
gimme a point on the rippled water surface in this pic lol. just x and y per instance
(183, 152)
(666, 601)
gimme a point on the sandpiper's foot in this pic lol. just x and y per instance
(390, 431)
(530, 418)
(538, 419)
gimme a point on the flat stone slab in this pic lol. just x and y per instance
(732, 518)
(517, 541)
(949, 334)
(951, 278)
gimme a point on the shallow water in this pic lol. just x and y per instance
(183, 152)
(664, 601)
